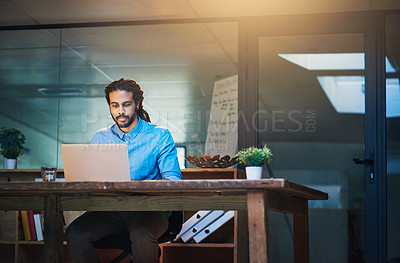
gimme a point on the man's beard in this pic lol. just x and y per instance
(126, 124)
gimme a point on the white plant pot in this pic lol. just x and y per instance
(254, 172)
(10, 163)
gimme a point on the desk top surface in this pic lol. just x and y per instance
(161, 187)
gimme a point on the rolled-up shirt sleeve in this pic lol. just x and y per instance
(167, 159)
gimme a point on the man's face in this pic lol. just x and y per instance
(123, 109)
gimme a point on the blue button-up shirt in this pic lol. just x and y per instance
(151, 149)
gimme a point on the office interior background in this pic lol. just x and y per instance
(318, 73)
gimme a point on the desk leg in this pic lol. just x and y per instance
(52, 230)
(300, 233)
(242, 240)
(258, 226)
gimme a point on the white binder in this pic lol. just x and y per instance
(213, 226)
(211, 217)
(192, 221)
(38, 227)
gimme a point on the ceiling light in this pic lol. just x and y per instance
(347, 94)
(61, 91)
(331, 61)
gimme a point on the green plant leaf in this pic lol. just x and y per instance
(254, 156)
(11, 141)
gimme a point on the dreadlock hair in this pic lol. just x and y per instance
(131, 86)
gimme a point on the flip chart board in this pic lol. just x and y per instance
(222, 133)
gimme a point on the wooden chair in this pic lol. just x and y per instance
(122, 240)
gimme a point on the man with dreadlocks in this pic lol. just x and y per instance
(152, 156)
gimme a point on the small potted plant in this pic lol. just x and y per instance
(254, 158)
(11, 141)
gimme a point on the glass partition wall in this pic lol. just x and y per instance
(393, 135)
(30, 76)
(53, 81)
(311, 114)
(313, 81)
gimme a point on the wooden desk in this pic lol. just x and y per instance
(254, 197)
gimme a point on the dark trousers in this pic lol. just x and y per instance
(144, 228)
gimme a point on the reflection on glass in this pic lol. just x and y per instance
(53, 81)
(313, 143)
(332, 61)
(392, 97)
(347, 94)
(175, 64)
(393, 138)
(29, 61)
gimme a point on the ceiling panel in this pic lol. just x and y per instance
(224, 32)
(23, 12)
(73, 11)
(386, 4)
(211, 8)
(154, 35)
(9, 15)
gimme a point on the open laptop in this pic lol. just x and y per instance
(95, 162)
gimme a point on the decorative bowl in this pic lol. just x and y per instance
(206, 161)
